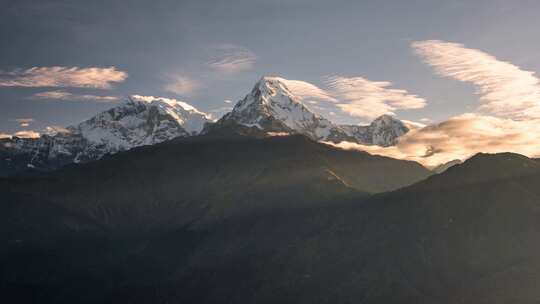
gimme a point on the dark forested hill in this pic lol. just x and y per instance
(275, 220)
(213, 177)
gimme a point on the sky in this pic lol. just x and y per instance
(465, 69)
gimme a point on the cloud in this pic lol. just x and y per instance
(182, 85)
(227, 101)
(53, 130)
(230, 58)
(24, 122)
(306, 91)
(505, 90)
(57, 76)
(66, 96)
(461, 137)
(364, 98)
(49, 130)
(217, 113)
(413, 124)
(20, 134)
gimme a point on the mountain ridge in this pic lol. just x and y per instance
(273, 107)
(140, 120)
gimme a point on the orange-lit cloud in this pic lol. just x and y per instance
(461, 137)
(505, 90)
(57, 76)
(21, 134)
(66, 96)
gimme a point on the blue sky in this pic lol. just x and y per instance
(205, 52)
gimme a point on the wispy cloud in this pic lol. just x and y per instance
(217, 113)
(21, 134)
(306, 91)
(57, 76)
(49, 130)
(230, 58)
(461, 137)
(361, 97)
(413, 124)
(54, 130)
(508, 118)
(67, 96)
(505, 89)
(24, 122)
(182, 85)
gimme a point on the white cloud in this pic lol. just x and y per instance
(413, 124)
(24, 122)
(217, 113)
(66, 96)
(57, 76)
(20, 134)
(230, 58)
(306, 91)
(53, 130)
(364, 98)
(461, 137)
(182, 85)
(505, 90)
(227, 101)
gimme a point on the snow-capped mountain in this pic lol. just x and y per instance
(140, 120)
(383, 131)
(272, 107)
(145, 120)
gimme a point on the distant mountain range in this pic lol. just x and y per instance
(144, 120)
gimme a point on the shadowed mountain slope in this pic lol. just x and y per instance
(294, 233)
(213, 177)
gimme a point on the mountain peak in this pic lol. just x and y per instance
(162, 101)
(273, 107)
(139, 121)
(385, 119)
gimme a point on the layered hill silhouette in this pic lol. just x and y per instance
(226, 172)
(227, 217)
